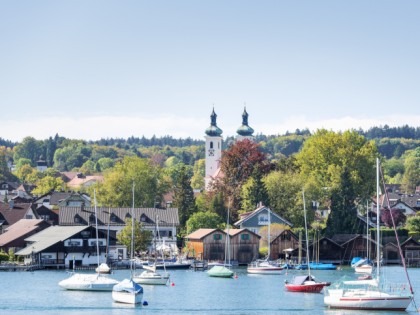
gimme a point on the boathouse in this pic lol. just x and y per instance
(244, 245)
(283, 245)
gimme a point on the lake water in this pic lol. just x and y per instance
(193, 292)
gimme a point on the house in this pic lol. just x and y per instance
(206, 244)
(284, 245)
(68, 246)
(244, 245)
(54, 199)
(12, 212)
(84, 181)
(258, 218)
(47, 214)
(355, 245)
(411, 250)
(210, 244)
(167, 220)
(7, 188)
(14, 236)
(326, 250)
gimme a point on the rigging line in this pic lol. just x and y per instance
(395, 230)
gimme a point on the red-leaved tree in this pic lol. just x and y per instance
(396, 214)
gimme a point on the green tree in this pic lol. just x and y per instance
(47, 184)
(254, 192)
(142, 238)
(413, 224)
(197, 180)
(149, 185)
(3, 256)
(29, 148)
(203, 220)
(5, 173)
(411, 177)
(275, 230)
(184, 195)
(339, 167)
(105, 163)
(24, 172)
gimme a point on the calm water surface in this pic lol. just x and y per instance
(194, 292)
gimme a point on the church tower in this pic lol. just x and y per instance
(245, 131)
(213, 149)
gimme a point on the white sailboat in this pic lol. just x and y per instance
(365, 266)
(128, 291)
(149, 275)
(372, 294)
(223, 271)
(89, 282)
(265, 266)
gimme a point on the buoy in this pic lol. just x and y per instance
(172, 284)
(145, 303)
(235, 276)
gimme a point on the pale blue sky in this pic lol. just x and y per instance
(101, 69)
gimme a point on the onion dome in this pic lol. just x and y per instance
(213, 130)
(245, 130)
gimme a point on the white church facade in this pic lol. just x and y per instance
(214, 141)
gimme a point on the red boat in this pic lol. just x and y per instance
(305, 284)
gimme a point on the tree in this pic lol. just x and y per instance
(413, 224)
(29, 148)
(275, 230)
(411, 177)
(184, 198)
(104, 163)
(237, 165)
(149, 184)
(5, 173)
(47, 184)
(397, 215)
(142, 238)
(339, 167)
(197, 180)
(208, 220)
(254, 192)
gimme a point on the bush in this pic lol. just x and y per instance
(3, 256)
(263, 252)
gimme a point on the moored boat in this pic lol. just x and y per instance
(305, 284)
(128, 292)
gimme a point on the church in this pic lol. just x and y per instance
(213, 147)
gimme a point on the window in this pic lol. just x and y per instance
(45, 217)
(217, 237)
(76, 219)
(211, 144)
(245, 237)
(113, 218)
(92, 219)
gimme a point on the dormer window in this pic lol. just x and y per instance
(76, 219)
(92, 219)
(113, 218)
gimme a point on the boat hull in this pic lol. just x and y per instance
(220, 271)
(87, 282)
(155, 279)
(127, 297)
(371, 301)
(265, 270)
(308, 288)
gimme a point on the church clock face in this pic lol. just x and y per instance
(211, 152)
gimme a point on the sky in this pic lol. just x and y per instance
(115, 69)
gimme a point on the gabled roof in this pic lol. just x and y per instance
(12, 215)
(410, 240)
(20, 229)
(233, 232)
(167, 217)
(329, 240)
(49, 237)
(201, 233)
(77, 182)
(256, 212)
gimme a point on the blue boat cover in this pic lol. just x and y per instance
(128, 285)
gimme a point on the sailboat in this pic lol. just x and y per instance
(128, 291)
(223, 271)
(365, 265)
(265, 267)
(89, 282)
(305, 283)
(103, 267)
(372, 294)
(150, 275)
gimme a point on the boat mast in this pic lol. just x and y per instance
(377, 221)
(96, 227)
(132, 236)
(367, 230)
(269, 236)
(306, 234)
